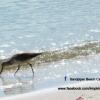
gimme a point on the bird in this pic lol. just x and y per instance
(19, 59)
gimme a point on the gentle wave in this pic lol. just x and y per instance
(82, 49)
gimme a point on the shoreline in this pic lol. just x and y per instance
(54, 93)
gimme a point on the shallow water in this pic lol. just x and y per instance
(48, 75)
(68, 33)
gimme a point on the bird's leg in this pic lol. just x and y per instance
(2, 67)
(31, 68)
(17, 69)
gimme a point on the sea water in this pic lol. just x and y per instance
(48, 25)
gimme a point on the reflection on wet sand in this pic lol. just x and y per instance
(15, 85)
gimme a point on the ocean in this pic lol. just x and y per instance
(67, 29)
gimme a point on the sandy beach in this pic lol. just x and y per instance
(55, 94)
